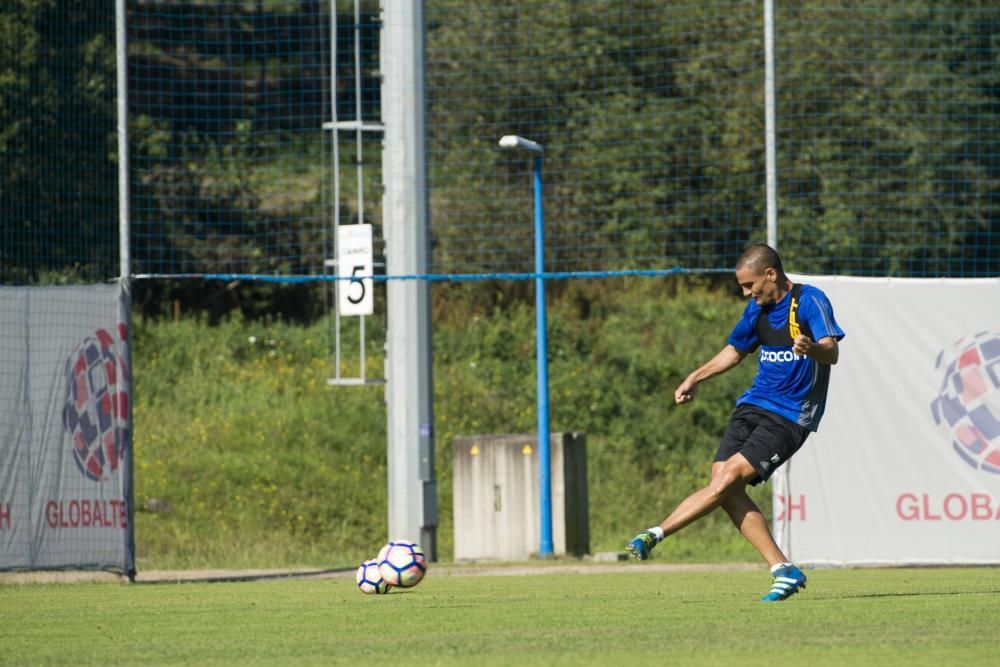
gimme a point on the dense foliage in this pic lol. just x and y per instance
(652, 114)
(888, 133)
(58, 185)
(245, 457)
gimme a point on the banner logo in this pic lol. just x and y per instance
(97, 403)
(967, 407)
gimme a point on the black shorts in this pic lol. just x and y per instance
(765, 439)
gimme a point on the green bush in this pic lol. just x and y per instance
(246, 457)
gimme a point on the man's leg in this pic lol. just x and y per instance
(727, 477)
(748, 518)
(787, 579)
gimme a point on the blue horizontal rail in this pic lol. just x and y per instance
(429, 277)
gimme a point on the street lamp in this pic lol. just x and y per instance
(511, 141)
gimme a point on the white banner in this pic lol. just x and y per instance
(65, 429)
(905, 468)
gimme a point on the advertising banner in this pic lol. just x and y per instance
(65, 431)
(905, 468)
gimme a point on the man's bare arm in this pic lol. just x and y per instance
(726, 358)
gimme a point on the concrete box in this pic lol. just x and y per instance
(496, 496)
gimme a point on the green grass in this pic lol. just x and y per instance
(246, 458)
(846, 617)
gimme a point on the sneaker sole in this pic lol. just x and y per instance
(793, 592)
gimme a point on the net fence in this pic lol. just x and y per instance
(58, 171)
(246, 152)
(888, 137)
(652, 118)
(648, 113)
(227, 102)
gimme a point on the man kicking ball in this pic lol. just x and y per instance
(794, 327)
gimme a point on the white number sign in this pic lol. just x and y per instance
(354, 260)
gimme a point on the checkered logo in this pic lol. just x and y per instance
(96, 412)
(967, 407)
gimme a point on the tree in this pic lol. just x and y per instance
(58, 182)
(888, 118)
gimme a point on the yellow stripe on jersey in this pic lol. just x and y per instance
(793, 319)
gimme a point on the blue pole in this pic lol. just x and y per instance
(542, 373)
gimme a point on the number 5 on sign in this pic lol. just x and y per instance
(354, 260)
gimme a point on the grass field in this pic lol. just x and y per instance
(638, 615)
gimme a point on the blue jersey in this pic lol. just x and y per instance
(786, 383)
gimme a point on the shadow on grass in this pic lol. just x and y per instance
(906, 594)
(232, 577)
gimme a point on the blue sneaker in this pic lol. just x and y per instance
(641, 545)
(787, 582)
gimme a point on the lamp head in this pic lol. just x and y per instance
(514, 141)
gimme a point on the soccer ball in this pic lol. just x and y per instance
(402, 563)
(369, 578)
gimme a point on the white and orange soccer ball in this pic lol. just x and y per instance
(402, 563)
(370, 579)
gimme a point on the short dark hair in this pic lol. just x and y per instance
(760, 257)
